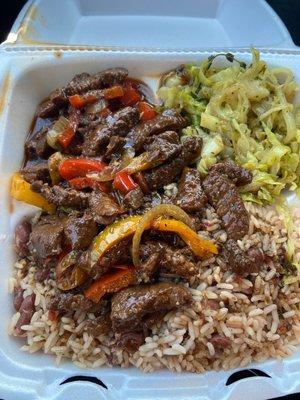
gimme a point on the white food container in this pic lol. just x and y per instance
(160, 24)
(28, 74)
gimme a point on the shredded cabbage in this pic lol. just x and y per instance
(244, 113)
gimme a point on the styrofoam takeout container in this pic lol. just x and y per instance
(29, 74)
(150, 24)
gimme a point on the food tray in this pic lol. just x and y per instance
(33, 377)
(164, 24)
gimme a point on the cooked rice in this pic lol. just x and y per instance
(258, 316)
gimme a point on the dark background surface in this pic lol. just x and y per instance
(288, 10)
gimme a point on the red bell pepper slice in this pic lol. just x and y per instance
(131, 96)
(78, 101)
(146, 111)
(113, 92)
(124, 182)
(111, 283)
(66, 137)
(77, 167)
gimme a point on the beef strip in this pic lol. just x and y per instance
(36, 172)
(130, 306)
(21, 238)
(26, 311)
(104, 209)
(83, 82)
(191, 197)
(46, 238)
(72, 302)
(134, 199)
(118, 124)
(151, 253)
(223, 196)
(237, 260)
(170, 171)
(129, 341)
(180, 262)
(80, 231)
(115, 146)
(48, 109)
(119, 254)
(37, 146)
(168, 120)
(238, 175)
(101, 325)
(163, 147)
(61, 196)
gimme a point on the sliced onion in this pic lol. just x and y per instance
(60, 125)
(69, 276)
(95, 108)
(161, 210)
(53, 165)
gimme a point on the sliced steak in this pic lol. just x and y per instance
(191, 197)
(237, 260)
(79, 231)
(130, 306)
(104, 209)
(179, 262)
(26, 311)
(119, 254)
(168, 120)
(118, 124)
(37, 146)
(46, 238)
(72, 302)
(36, 172)
(151, 254)
(61, 196)
(115, 146)
(134, 199)
(167, 173)
(21, 238)
(99, 326)
(129, 341)
(223, 196)
(81, 83)
(238, 175)
(48, 109)
(163, 147)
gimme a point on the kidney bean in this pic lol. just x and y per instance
(18, 297)
(26, 312)
(22, 233)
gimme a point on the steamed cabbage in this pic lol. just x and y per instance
(245, 113)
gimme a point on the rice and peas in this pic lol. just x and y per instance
(257, 318)
(232, 320)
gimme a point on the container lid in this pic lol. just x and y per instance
(155, 24)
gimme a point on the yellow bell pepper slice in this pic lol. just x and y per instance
(112, 235)
(200, 247)
(124, 228)
(21, 190)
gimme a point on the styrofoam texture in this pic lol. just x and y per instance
(34, 72)
(189, 24)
